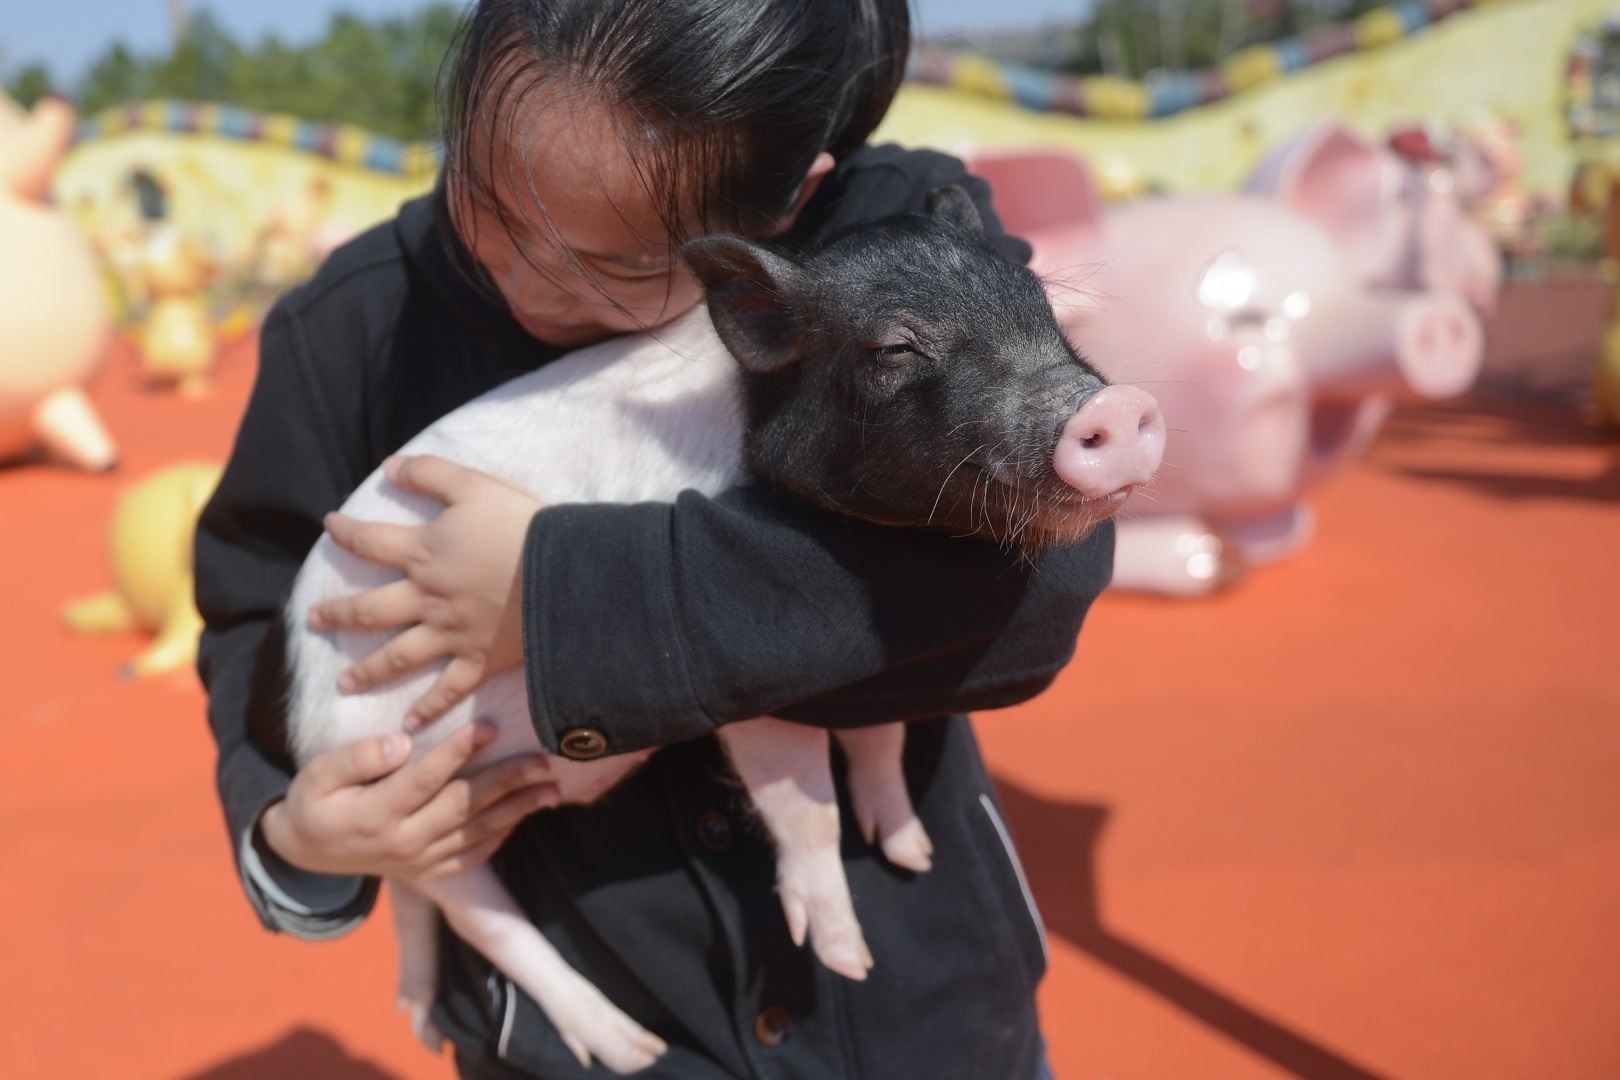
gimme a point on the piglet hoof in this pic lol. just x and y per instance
(877, 788)
(907, 847)
(887, 819)
(592, 1026)
(817, 904)
(422, 1026)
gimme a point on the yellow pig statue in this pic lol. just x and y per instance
(151, 555)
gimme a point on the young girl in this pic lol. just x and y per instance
(586, 140)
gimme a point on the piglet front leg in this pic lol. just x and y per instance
(787, 770)
(416, 926)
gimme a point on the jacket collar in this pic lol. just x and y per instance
(434, 250)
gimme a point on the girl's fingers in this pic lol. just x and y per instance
(429, 475)
(399, 603)
(375, 541)
(359, 762)
(466, 859)
(398, 656)
(459, 678)
(495, 824)
(463, 800)
(491, 784)
(441, 478)
(422, 781)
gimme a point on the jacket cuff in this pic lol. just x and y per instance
(601, 640)
(307, 905)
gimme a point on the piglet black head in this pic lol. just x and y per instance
(905, 372)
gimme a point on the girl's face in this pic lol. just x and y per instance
(574, 242)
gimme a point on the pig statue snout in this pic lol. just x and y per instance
(1440, 345)
(1380, 342)
(1112, 444)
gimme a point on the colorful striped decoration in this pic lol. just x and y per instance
(1100, 96)
(1106, 98)
(343, 143)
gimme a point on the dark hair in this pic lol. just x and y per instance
(724, 103)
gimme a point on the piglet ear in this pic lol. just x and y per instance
(747, 287)
(950, 203)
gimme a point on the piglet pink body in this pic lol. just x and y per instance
(1267, 348)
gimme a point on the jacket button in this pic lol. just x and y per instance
(771, 1026)
(582, 744)
(714, 831)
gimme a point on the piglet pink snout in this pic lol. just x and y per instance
(1113, 443)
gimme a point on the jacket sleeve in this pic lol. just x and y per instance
(289, 467)
(652, 624)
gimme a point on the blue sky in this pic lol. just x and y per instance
(66, 36)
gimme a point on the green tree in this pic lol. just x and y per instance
(114, 78)
(1136, 38)
(29, 85)
(378, 74)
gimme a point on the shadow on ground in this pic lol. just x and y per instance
(1528, 429)
(1058, 843)
(1569, 455)
(301, 1052)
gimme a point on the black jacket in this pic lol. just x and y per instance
(654, 624)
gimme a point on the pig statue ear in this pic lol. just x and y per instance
(950, 203)
(1349, 187)
(1041, 192)
(747, 288)
(31, 143)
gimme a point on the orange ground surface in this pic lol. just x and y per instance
(1358, 818)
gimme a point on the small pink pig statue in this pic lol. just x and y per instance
(1403, 213)
(53, 311)
(1254, 322)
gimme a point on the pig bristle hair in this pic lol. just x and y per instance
(944, 483)
(1077, 280)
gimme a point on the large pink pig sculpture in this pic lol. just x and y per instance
(1255, 330)
(54, 323)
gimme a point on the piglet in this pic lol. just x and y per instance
(976, 417)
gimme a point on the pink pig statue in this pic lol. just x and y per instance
(1404, 218)
(1251, 322)
(53, 310)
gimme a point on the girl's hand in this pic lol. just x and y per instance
(461, 595)
(361, 809)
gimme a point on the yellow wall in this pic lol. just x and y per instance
(1509, 56)
(223, 190)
